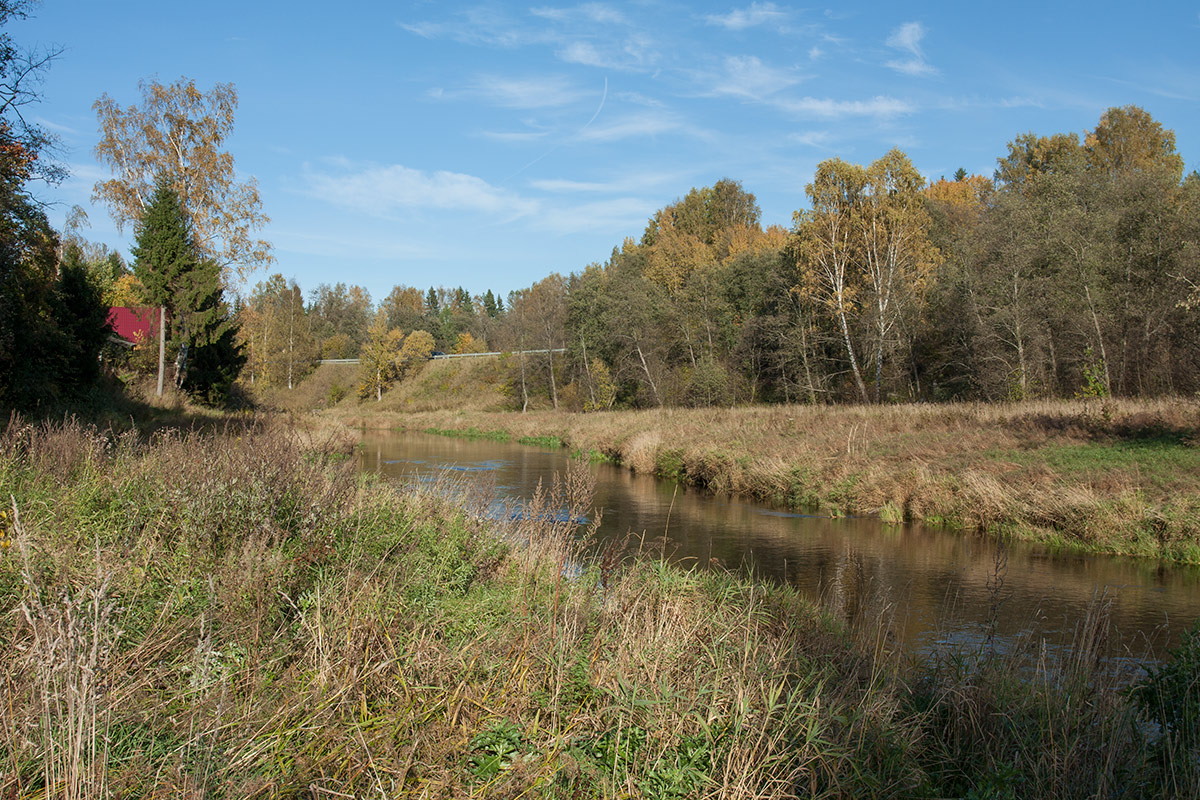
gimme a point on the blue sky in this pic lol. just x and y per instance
(487, 145)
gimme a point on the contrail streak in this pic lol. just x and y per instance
(599, 108)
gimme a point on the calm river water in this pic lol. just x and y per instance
(937, 587)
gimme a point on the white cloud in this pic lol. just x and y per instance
(580, 35)
(638, 125)
(582, 53)
(54, 126)
(478, 26)
(818, 139)
(563, 185)
(638, 99)
(588, 12)
(618, 216)
(383, 190)
(881, 106)
(638, 181)
(975, 102)
(634, 52)
(524, 93)
(743, 18)
(815, 53)
(518, 137)
(746, 76)
(907, 38)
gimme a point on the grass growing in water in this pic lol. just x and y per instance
(471, 433)
(552, 442)
(267, 624)
(497, 436)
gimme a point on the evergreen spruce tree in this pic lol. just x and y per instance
(214, 356)
(164, 248)
(201, 328)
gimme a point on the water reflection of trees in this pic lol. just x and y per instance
(928, 584)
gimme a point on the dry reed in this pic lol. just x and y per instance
(236, 614)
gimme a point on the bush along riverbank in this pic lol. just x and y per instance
(237, 614)
(1120, 477)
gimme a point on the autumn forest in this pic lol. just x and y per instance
(1072, 271)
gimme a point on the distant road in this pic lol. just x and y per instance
(457, 355)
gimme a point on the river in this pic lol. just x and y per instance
(934, 587)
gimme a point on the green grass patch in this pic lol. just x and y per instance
(891, 514)
(1165, 463)
(594, 456)
(668, 464)
(471, 433)
(552, 442)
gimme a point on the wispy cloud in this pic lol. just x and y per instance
(384, 190)
(56, 127)
(1164, 82)
(817, 139)
(478, 26)
(517, 137)
(907, 38)
(639, 181)
(588, 12)
(748, 77)
(881, 106)
(638, 99)
(742, 18)
(975, 102)
(635, 51)
(632, 127)
(584, 53)
(540, 92)
(619, 216)
(568, 186)
(592, 34)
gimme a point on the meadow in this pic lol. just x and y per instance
(237, 613)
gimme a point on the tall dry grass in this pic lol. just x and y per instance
(238, 614)
(1119, 476)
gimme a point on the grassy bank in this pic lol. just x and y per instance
(475, 384)
(1119, 477)
(237, 614)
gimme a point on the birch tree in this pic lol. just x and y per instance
(897, 254)
(177, 136)
(277, 329)
(825, 246)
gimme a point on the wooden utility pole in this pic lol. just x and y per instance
(162, 346)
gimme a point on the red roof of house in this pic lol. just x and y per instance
(133, 324)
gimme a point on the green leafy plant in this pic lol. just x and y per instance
(1094, 385)
(494, 748)
(1170, 694)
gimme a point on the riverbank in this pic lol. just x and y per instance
(1119, 477)
(239, 614)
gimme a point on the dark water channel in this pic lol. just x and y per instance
(936, 587)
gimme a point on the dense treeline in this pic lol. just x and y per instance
(1073, 270)
(56, 289)
(52, 320)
